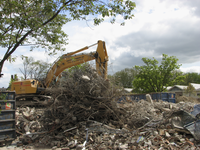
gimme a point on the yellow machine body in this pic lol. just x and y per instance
(25, 86)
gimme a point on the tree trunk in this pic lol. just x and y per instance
(1, 66)
(2, 63)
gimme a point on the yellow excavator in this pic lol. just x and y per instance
(28, 92)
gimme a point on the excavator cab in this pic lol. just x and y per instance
(25, 86)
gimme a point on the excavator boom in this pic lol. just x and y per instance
(70, 59)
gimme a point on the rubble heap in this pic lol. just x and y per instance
(84, 113)
(82, 96)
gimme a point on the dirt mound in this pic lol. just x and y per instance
(187, 99)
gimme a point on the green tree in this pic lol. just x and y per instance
(39, 22)
(78, 67)
(125, 77)
(191, 77)
(27, 67)
(154, 78)
(75, 71)
(12, 79)
(40, 69)
(190, 89)
(34, 69)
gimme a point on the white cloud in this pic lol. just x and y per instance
(4, 81)
(195, 69)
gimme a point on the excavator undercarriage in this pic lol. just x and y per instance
(33, 100)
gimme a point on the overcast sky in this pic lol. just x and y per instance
(159, 27)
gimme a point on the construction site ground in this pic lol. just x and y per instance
(84, 113)
(145, 128)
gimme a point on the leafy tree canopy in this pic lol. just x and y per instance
(12, 79)
(34, 69)
(191, 77)
(154, 78)
(125, 77)
(81, 67)
(190, 89)
(39, 22)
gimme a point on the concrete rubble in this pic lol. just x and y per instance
(85, 114)
(147, 126)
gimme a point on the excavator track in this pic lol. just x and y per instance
(33, 100)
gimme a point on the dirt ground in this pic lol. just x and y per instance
(187, 99)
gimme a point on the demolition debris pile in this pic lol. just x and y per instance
(84, 113)
(82, 96)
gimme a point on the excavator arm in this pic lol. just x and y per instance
(70, 59)
(32, 86)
